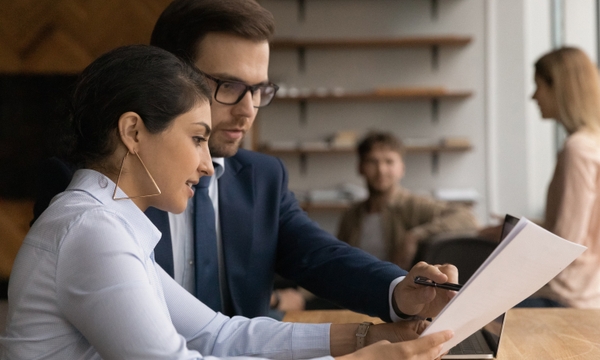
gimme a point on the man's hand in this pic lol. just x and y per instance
(425, 301)
(289, 299)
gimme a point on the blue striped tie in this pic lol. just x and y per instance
(205, 248)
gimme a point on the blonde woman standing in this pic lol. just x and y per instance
(568, 91)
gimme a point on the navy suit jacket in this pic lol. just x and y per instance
(264, 231)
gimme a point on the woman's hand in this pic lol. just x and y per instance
(395, 332)
(425, 348)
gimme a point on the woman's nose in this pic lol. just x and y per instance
(206, 166)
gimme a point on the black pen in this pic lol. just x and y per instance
(421, 280)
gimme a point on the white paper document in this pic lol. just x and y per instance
(523, 262)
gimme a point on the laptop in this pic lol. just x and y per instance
(484, 343)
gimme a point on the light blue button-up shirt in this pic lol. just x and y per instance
(85, 286)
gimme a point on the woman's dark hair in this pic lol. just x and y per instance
(184, 23)
(143, 79)
(374, 139)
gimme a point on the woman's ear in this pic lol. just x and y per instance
(130, 124)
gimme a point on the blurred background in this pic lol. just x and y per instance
(451, 78)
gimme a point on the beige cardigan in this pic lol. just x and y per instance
(573, 212)
(422, 216)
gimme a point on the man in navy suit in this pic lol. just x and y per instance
(260, 228)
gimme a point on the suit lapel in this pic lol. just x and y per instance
(163, 252)
(236, 209)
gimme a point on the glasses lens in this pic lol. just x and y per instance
(229, 92)
(266, 94)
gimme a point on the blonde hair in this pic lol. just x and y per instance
(574, 79)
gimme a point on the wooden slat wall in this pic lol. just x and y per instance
(64, 36)
(61, 37)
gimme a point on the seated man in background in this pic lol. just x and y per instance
(392, 221)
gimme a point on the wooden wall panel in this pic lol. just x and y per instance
(58, 53)
(42, 37)
(9, 61)
(63, 36)
(15, 216)
(21, 21)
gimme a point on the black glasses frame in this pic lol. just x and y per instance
(251, 88)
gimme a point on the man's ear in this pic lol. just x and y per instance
(130, 124)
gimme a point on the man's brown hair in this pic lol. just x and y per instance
(184, 23)
(379, 139)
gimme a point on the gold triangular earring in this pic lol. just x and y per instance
(147, 172)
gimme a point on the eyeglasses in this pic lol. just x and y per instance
(231, 92)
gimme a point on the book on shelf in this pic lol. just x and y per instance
(281, 145)
(344, 139)
(455, 141)
(468, 195)
(313, 145)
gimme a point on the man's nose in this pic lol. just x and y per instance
(245, 107)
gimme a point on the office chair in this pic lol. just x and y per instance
(467, 253)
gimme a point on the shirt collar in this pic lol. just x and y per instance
(219, 165)
(101, 188)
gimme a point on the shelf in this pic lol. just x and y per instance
(413, 41)
(384, 94)
(438, 149)
(335, 207)
(433, 42)
(408, 149)
(434, 94)
(434, 150)
(276, 152)
(323, 206)
(301, 5)
(316, 47)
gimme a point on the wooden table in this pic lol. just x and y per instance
(540, 334)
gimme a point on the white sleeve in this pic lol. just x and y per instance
(240, 336)
(113, 294)
(104, 291)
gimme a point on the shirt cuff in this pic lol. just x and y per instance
(393, 315)
(311, 341)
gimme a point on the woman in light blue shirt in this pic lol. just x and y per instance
(85, 284)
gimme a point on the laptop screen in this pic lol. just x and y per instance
(491, 332)
(509, 223)
(493, 329)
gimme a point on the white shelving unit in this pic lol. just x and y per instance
(386, 65)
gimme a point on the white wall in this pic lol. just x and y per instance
(580, 25)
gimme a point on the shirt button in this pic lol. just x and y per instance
(191, 262)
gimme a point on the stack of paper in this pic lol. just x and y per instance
(523, 262)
